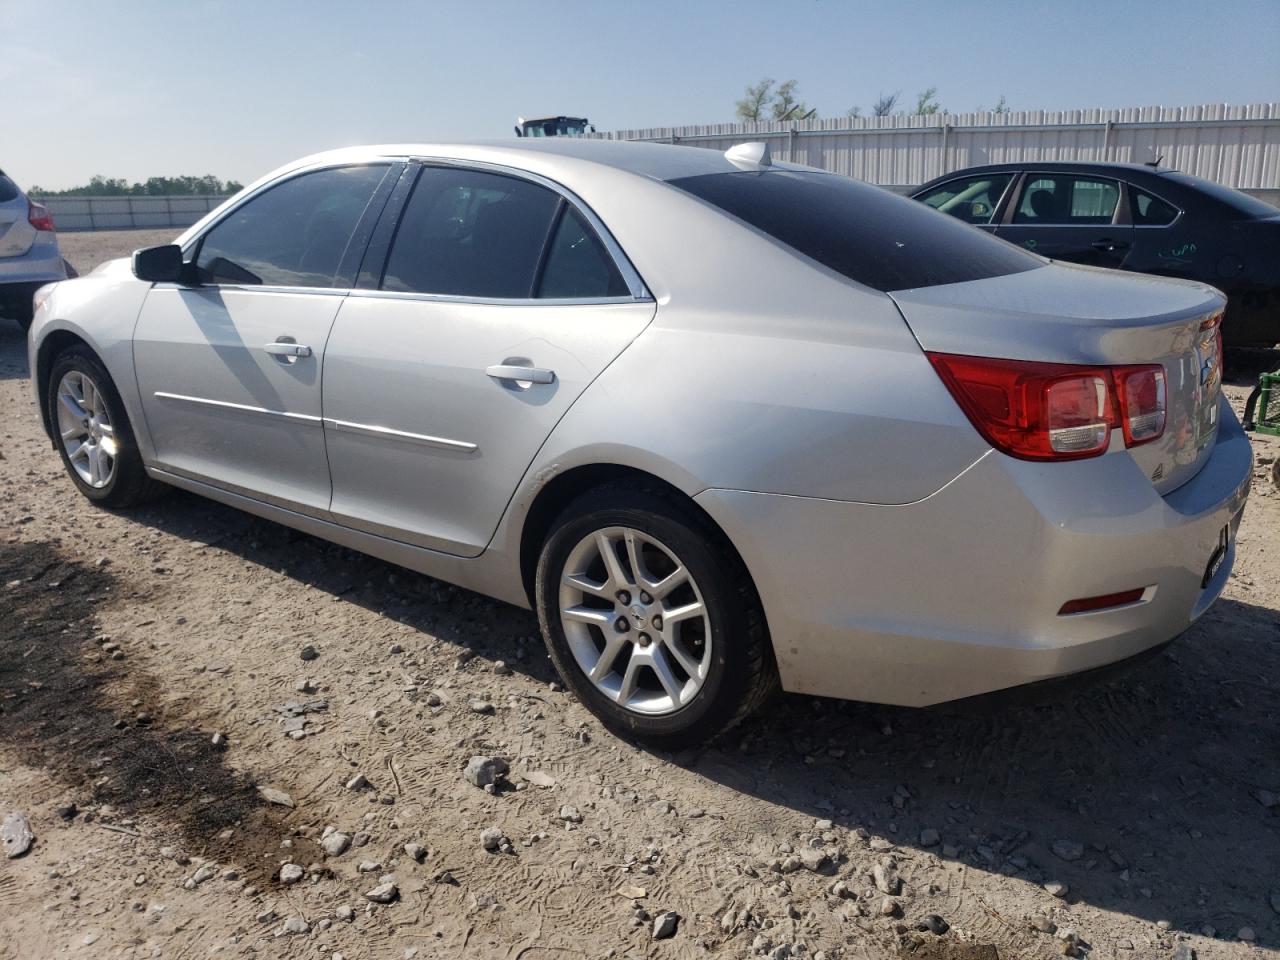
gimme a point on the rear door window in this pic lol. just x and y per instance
(8, 189)
(470, 233)
(865, 233)
(292, 235)
(577, 264)
(1066, 200)
(1149, 211)
(971, 199)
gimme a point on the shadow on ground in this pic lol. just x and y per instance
(1152, 771)
(90, 721)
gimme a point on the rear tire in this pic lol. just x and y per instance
(93, 434)
(669, 684)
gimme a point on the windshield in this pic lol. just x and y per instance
(555, 127)
(1251, 207)
(866, 233)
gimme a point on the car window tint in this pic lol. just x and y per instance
(971, 199)
(1066, 200)
(1149, 211)
(8, 189)
(1241, 204)
(578, 265)
(470, 233)
(294, 234)
(866, 233)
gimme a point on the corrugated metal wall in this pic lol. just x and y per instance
(115, 213)
(1238, 146)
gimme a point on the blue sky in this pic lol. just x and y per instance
(234, 87)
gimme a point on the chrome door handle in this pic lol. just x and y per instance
(279, 349)
(504, 371)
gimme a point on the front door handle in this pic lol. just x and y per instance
(503, 371)
(283, 349)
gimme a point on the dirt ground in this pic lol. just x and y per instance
(151, 675)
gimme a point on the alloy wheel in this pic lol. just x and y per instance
(635, 620)
(85, 429)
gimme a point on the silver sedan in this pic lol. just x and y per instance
(724, 423)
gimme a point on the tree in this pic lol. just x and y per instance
(885, 104)
(751, 108)
(927, 102)
(764, 102)
(100, 186)
(787, 107)
(1002, 105)
(853, 113)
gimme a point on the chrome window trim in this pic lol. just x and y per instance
(494, 301)
(256, 288)
(630, 276)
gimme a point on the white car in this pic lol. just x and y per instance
(29, 255)
(721, 422)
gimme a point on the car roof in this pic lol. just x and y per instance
(658, 161)
(1063, 165)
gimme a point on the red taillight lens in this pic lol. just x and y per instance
(1141, 391)
(1086, 604)
(1054, 411)
(39, 217)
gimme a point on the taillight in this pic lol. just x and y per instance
(1141, 392)
(39, 217)
(1055, 411)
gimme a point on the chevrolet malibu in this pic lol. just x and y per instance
(724, 423)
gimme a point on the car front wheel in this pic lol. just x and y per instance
(650, 617)
(93, 433)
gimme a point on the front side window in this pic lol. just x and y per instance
(1149, 211)
(292, 235)
(971, 199)
(865, 233)
(1065, 200)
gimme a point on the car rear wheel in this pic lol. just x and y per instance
(93, 434)
(651, 618)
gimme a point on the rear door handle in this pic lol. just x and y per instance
(281, 349)
(503, 371)
(1109, 245)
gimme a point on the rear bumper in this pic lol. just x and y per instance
(41, 264)
(957, 594)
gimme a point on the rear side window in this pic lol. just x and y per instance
(1241, 204)
(577, 265)
(468, 233)
(8, 189)
(1065, 200)
(292, 235)
(874, 237)
(1149, 211)
(971, 199)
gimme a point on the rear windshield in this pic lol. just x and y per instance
(1250, 207)
(865, 233)
(8, 189)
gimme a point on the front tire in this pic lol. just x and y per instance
(651, 618)
(93, 433)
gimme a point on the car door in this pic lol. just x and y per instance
(1069, 216)
(229, 366)
(501, 300)
(975, 199)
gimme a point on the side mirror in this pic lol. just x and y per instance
(159, 264)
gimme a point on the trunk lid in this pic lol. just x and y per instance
(1062, 313)
(16, 234)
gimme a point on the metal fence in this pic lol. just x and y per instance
(1237, 146)
(118, 213)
